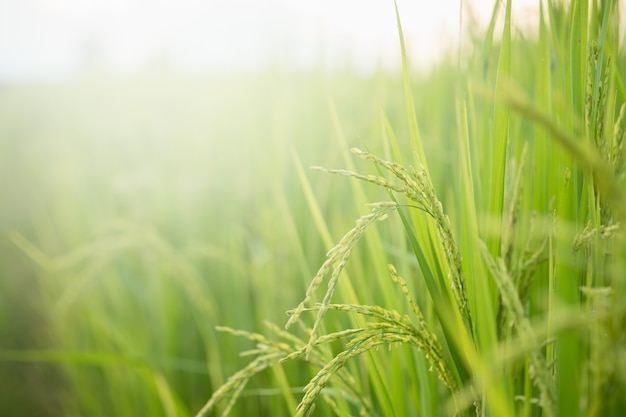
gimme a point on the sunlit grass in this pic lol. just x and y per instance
(513, 275)
(160, 229)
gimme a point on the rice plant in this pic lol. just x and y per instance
(483, 274)
(519, 261)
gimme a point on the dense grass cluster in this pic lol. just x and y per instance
(516, 325)
(485, 276)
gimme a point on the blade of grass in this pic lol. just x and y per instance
(500, 135)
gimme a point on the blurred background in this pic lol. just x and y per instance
(52, 39)
(154, 181)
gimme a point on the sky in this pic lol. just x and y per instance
(43, 39)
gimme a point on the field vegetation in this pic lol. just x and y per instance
(456, 249)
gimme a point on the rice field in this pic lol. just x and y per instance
(456, 248)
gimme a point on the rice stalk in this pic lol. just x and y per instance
(585, 155)
(509, 230)
(235, 384)
(366, 340)
(617, 148)
(267, 353)
(539, 369)
(337, 259)
(416, 185)
(529, 261)
(596, 96)
(602, 352)
(588, 235)
(405, 290)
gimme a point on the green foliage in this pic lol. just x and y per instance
(502, 209)
(528, 276)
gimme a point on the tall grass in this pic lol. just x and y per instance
(517, 270)
(482, 275)
(136, 212)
